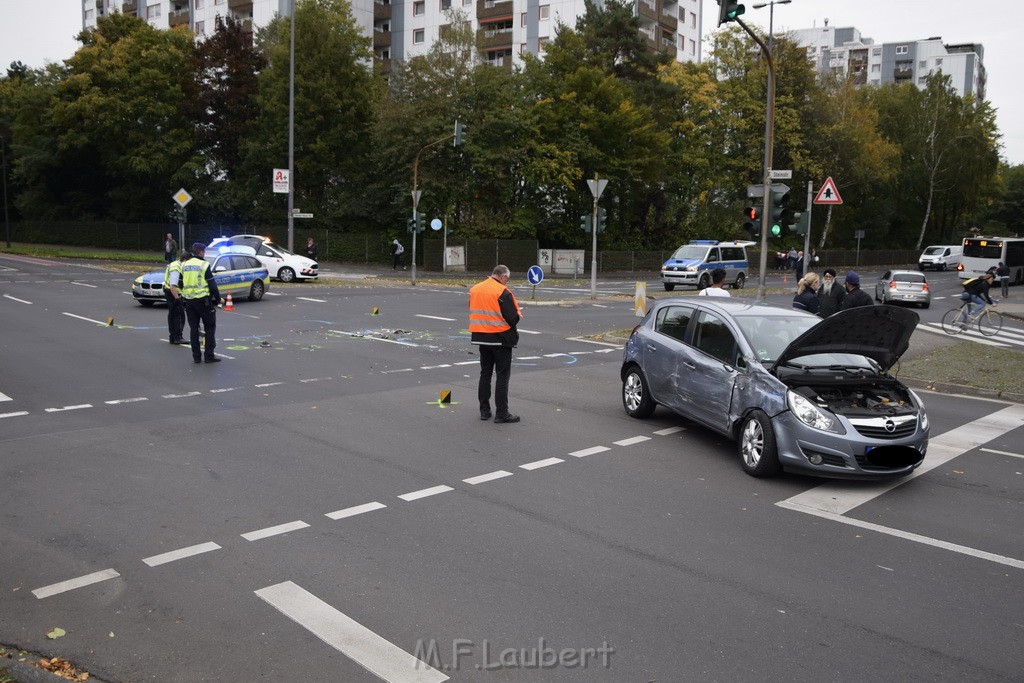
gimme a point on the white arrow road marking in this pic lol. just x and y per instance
(5, 397)
(352, 639)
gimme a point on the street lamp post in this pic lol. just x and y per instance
(291, 132)
(416, 199)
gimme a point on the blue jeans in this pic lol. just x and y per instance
(975, 299)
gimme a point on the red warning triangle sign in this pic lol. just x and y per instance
(828, 194)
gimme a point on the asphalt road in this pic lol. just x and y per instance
(309, 510)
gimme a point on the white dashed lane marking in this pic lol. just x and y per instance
(356, 510)
(490, 476)
(20, 301)
(274, 530)
(72, 584)
(537, 464)
(632, 440)
(180, 554)
(435, 317)
(589, 451)
(126, 400)
(424, 493)
(60, 410)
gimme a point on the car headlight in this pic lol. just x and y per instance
(920, 407)
(690, 269)
(811, 415)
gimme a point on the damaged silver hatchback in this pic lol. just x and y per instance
(796, 392)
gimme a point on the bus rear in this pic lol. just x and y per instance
(983, 253)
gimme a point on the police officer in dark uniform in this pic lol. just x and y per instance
(201, 298)
(175, 304)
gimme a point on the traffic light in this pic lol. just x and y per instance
(729, 11)
(460, 133)
(602, 220)
(585, 222)
(410, 225)
(804, 225)
(799, 224)
(752, 222)
(421, 222)
(781, 214)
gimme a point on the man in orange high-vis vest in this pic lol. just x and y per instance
(493, 316)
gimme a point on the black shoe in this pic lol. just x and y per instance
(213, 360)
(197, 360)
(485, 416)
(180, 341)
(506, 418)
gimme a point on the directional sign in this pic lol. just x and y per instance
(779, 174)
(535, 275)
(182, 197)
(828, 194)
(301, 215)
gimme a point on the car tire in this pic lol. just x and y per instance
(256, 291)
(668, 287)
(740, 281)
(759, 456)
(704, 282)
(943, 268)
(286, 274)
(146, 303)
(636, 395)
(926, 304)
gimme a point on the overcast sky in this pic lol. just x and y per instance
(38, 31)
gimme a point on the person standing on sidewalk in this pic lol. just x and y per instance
(396, 253)
(201, 298)
(493, 316)
(1003, 273)
(170, 249)
(172, 294)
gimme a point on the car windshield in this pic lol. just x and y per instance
(278, 248)
(690, 251)
(769, 335)
(933, 250)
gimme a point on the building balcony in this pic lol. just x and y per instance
(495, 38)
(903, 72)
(646, 10)
(490, 9)
(130, 7)
(177, 17)
(247, 25)
(381, 39)
(240, 5)
(669, 21)
(382, 65)
(381, 10)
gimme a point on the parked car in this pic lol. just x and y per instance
(236, 271)
(941, 257)
(692, 263)
(282, 264)
(903, 286)
(796, 392)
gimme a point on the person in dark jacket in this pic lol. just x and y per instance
(493, 316)
(830, 294)
(976, 293)
(855, 296)
(311, 249)
(1003, 273)
(806, 297)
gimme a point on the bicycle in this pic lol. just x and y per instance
(957, 320)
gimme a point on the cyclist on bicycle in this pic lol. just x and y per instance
(976, 292)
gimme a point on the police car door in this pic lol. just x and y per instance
(713, 370)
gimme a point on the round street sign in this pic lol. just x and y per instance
(436, 224)
(535, 275)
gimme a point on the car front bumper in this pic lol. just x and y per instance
(679, 277)
(147, 292)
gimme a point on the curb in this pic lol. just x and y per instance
(963, 390)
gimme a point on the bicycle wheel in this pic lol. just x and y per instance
(949, 322)
(989, 322)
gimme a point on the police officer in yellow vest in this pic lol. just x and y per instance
(201, 295)
(493, 316)
(172, 294)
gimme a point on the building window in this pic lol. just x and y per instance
(923, 64)
(522, 19)
(542, 43)
(902, 50)
(693, 49)
(876, 68)
(682, 15)
(938, 61)
(467, 2)
(419, 8)
(200, 28)
(522, 49)
(418, 36)
(199, 4)
(876, 52)
(545, 11)
(89, 16)
(693, 20)
(922, 80)
(153, 11)
(219, 2)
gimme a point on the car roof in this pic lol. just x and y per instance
(738, 307)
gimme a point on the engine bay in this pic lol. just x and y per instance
(871, 399)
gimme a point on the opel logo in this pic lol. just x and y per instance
(890, 426)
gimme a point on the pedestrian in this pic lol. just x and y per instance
(311, 250)
(1003, 271)
(799, 265)
(170, 249)
(855, 296)
(830, 294)
(806, 297)
(791, 257)
(813, 260)
(201, 295)
(717, 287)
(172, 294)
(396, 254)
(493, 316)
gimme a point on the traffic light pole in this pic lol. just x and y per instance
(808, 264)
(416, 198)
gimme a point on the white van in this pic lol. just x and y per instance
(941, 257)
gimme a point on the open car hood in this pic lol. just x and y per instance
(882, 333)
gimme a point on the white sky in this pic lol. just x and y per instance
(38, 31)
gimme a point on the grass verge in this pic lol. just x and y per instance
(969, 364)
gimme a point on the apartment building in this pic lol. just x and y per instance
(402, 29)
(844, 51)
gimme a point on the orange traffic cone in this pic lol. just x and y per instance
(785, 280)
(229, 305)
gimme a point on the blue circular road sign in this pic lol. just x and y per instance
(535, 275)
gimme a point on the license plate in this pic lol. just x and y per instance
(908, 296)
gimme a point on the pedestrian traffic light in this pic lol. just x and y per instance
(421, 222)
(752, 222)
(729, 11)
(799, 223)
(460, 133)
(585, 222)
(410, 225)
(602, 220)
(781, 214)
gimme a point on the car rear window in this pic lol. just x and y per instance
(908, 277)
(673, 321)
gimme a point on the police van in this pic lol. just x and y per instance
(692, 263)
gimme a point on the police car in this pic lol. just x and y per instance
(692, 263)
(236, 271)
(282, 264)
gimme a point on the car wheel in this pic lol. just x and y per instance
(636, 397)
(740, 281)
(926, 304)
(668, 287)
(286, 275)
(943, 268)
(256, 291)
(704, 282)
(758, 455)
(146, 303)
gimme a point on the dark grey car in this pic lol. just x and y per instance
(797, 392)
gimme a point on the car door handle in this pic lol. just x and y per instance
(652, 348)
(690, 365)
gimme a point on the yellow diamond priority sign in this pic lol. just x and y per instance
(182, 197)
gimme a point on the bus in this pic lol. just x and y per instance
(982, 253)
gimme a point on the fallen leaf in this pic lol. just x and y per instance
(57, 632)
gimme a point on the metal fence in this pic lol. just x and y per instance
(481, 255)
